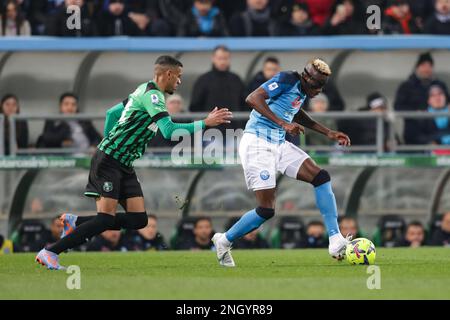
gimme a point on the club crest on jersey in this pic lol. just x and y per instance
(297, 103)
(154, 98)
(107, 186)
(265, 175)
(153, 127)
(273, 86)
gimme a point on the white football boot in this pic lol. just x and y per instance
(338, 245)
(223, 250)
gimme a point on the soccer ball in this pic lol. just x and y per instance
(360, 251)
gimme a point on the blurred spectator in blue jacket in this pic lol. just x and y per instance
(437, 130)
(412, 95)
(203, 20)
(315, 235)
(109, 240)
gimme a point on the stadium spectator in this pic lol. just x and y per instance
(175, 105)
(349, 226)
(228, 8)
(218, 87)
(6, 246)
(363, 132)
(203, 232)
(437, 130)
(298, 24)
(441, 237)
(56, 24)
(9, 106)
(252, 240)
(320, 11)
(203, 20)
(346, 19)
(109, 240)
(76, 134)
(399, 19)
(115, 21)
(412, 95)
(414, 235)
(255, 21)
(319, 104)
(315, 235)
(270, 68)
(439, 21)
(145, 239)
(38, 12)
(12, 20)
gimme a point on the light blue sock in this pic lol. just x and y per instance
(248, 222)
(326, 202)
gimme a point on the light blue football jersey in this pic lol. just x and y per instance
(285, 100)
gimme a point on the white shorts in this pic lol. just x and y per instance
(262, 160)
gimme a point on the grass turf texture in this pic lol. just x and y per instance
(422, 273)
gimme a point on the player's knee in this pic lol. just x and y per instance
(321, 178)
(105, 220)
(265, 213)
(136, 220)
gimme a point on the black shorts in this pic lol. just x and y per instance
(110, 179)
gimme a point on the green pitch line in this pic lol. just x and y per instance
(267, 274)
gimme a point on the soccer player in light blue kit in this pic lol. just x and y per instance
(264, 152)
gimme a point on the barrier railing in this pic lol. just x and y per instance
(377, 148)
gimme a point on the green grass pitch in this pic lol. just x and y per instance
(422, 273)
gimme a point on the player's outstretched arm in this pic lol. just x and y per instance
(218, 117)
(257, 101)
(305, 120)
(215, 118)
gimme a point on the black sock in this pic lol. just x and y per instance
(81, 220)
(87, 230)
(131, 220)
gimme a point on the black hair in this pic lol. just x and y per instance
(67, 95)
(6, 97)
(221, 47)
(415, 223)
(272, 60)
(20, 19)
(168, 61)
(315, 223)
(202, 219)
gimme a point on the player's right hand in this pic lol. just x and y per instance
(218, 117)
(293, 128)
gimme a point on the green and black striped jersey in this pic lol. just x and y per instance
(128, 139)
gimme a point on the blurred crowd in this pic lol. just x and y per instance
(195, 233)
(422, 91)
(220, 18)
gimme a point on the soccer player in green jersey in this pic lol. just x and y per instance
(112, 179)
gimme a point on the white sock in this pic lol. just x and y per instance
(336, 238)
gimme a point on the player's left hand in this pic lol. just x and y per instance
(341, 137)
